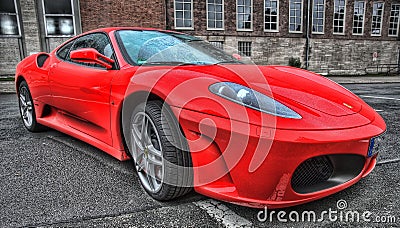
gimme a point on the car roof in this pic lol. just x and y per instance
(110, 29)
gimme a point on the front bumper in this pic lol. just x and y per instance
(223, 158)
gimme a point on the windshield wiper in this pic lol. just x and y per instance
(178, 63)
(167, 63)
(227, 62)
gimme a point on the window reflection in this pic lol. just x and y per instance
(9, 25)
(59, 17)
(60, 25)
(8, 18)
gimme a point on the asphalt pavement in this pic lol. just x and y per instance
(49, 179)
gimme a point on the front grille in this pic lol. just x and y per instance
(311, 172)
(323, 172)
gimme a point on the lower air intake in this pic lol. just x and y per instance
(322, 172)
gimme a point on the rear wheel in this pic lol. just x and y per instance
(27, 109)
(160, 153)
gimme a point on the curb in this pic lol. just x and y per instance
(7, 92)
(364, 79)
(7, 87)
(366, 82)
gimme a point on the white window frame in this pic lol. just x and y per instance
(16, 14)
(223, 16)
(372, 19)
(344, 18)
(323, 19)
(301, 18)
(191, 17)
(398, 20)
(59, 15)
(237, 17)
(277, 17)
(217, 43)
(363, 21)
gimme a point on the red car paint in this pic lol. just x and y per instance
(86, 103)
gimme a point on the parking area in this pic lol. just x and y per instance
(51, 179)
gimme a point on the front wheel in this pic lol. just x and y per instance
(27, 110)
(159, 150)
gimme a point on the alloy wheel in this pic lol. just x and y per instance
(147, 152)
(25, 104)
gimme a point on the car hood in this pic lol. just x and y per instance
(292, 86)
(322, 103)
(311, 90)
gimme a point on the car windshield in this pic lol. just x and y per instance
(167, 48)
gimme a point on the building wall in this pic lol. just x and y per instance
(327, 56)
(31, 40)
(54, 42)
(329, 53)
(200, 24)
(10, 55)
(338, 57)
(13, 49)
(30, 33)
(97, 14)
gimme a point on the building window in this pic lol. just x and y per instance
(394, 20)
(339, 17)
(218, 44)
(296, 16)
(59, 17)
(271, 15)
(377, 13)
(215, 14)
(318, 17)
(183, 14)
(358, 18)
(244, 15)
(9, 21)
(244, 48)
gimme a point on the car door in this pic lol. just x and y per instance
(81, 91)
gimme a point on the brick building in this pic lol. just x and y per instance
(329, 36)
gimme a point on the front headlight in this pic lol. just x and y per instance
(250, 98)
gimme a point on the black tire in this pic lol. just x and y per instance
(27, 110)
(177, 174)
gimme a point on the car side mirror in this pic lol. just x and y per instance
(237, 56)
(91, 55)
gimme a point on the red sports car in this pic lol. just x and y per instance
(194, 117)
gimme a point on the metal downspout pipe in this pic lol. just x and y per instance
(308, 34)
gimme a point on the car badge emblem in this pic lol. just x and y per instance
(347, 105)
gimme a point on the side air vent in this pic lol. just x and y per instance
(41, 59)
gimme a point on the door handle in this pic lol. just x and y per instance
(52, 66)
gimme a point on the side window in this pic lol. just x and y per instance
(63, 52)
(98, 41)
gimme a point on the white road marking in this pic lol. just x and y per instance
(384, 98)
(378, 110)
(223, 214)
(388, 161)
